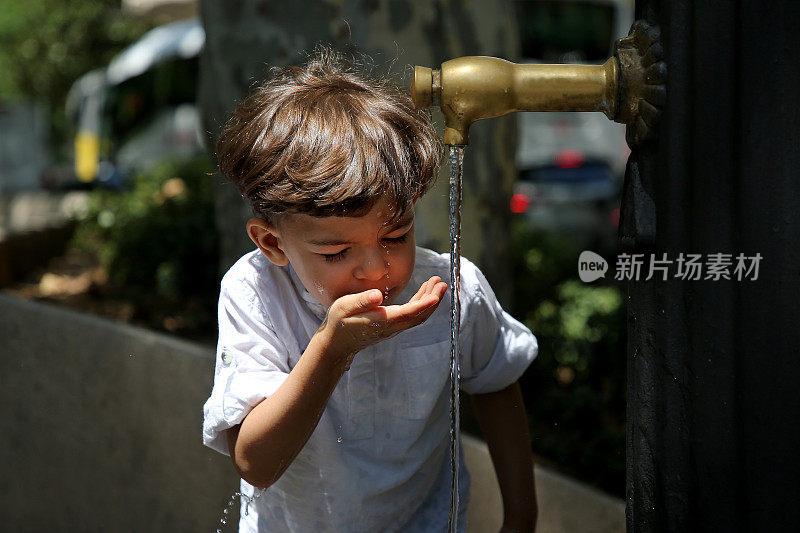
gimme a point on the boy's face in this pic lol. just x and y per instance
(335, 256)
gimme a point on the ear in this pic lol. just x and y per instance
(267, 239)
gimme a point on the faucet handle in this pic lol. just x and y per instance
(642, 80)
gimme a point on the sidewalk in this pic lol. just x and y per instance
(565, 504)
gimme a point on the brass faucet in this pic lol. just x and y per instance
(628, 87)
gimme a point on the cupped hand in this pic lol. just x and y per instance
(356, 321)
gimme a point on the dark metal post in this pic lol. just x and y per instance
(714, 366)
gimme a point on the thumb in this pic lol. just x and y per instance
(353, 304)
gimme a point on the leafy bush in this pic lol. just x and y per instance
(157, 241)
(575, 390)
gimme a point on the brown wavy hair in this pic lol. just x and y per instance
(326, 140)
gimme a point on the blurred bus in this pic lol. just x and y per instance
(141, 108)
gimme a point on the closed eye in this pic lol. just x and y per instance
(397, 240)
(334, 257)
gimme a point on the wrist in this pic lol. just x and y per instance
(330, 350)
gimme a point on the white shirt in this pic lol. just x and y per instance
(378, 459)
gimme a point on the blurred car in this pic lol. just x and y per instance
(574, 196)
(570, 164)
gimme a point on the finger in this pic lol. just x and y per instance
(425, 288)
(431, 287)
(396, 318)
(353, 304)
(428, 286)
(419, 293)
(417, 317)
(431, 284)
(399, 313)
(430, 303)
(440, 289)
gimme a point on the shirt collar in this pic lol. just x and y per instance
(316, 308)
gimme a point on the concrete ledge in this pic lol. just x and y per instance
(565, 505)
(101, 427)
(101, 432)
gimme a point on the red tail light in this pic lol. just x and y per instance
(569, 158)
(519, 203)
(614, 217)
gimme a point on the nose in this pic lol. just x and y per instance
(373, 266)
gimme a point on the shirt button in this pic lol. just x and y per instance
(227, 358)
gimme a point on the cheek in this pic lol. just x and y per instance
(317, 278)
(335, 280)
(403, 262)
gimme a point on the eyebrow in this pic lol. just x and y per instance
(339, 242)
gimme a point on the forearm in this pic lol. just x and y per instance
(275, 431)
(504, 423)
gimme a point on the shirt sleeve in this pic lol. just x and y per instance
(251, 363)
(496, 348)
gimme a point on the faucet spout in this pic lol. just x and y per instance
(476, 87)
(629, 87)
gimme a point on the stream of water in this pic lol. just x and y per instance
(456, 166)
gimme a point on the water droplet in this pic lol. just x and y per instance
(223, 520)
(338, 439)
(225, 511)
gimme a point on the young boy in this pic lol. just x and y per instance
(332, 377)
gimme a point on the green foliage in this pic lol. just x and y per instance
(157, 240)
(46, 46)
(575, 390)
